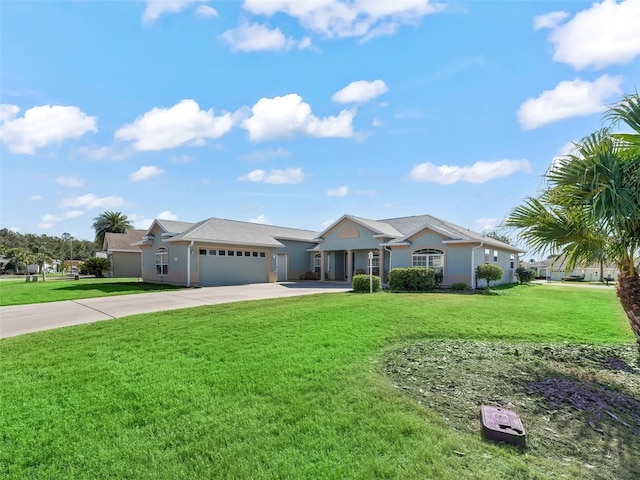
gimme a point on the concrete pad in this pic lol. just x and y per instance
(21, 319)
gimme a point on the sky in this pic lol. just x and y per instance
(294, 113)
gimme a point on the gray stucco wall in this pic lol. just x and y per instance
(365, 240)
(125, 264)
(297, 259)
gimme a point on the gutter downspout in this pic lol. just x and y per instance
(473, 268)
(189, 263)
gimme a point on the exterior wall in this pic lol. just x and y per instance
(177, 268)
(504, 262)
(342, 237)
(298, 258)
(125, 264)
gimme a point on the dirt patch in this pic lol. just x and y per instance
(580, 404)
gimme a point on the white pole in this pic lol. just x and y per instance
(370, 271)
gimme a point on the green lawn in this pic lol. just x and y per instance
(19, 292)
(276, 389)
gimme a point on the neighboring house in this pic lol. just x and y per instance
(555, 268)
(227, 252)
(124, 256)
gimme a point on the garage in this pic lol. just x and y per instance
(232, 267)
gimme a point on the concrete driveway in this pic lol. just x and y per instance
(21, 319)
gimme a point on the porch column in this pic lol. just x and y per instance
(322, 260)
(349, 266)
(381, 263)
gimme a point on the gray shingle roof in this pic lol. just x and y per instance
(233, 232)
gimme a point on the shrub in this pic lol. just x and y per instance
(489, 273)
(310, 276)
(459, 286)
(97, 266)
(413, 279)
(525, 275)
(361, 283)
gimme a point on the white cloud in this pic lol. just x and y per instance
(145, 173)
(568, 99)
(163, 128)
(288, 175)
(36, 197)
(337, 18)
(377, 123)
(167, 215)
(72, 181)
(46, 226)
(484, 224)
(155, 8)
(360, 91)
(479, 172)
(287, 116)
(104, 153)
(206, 11)
(261, 219)
(182, 159)
(256, 38)
(139, 222)
(49, 219)
(42, 126)
(338, 192)
(605, 34)
(90, 200)
(549, 20)
(269, 153)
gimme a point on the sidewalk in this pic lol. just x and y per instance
(21, 319)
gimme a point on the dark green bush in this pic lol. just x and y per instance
(361, 283)
(96, 266)
(525, 275)
(459, 286)
(413, 279)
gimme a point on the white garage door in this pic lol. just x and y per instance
(232, 267)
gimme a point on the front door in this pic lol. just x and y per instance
(282, 267)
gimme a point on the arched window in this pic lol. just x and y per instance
(428, 258)
(162, 261)
(317, 262)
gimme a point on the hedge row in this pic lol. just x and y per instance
(412, 279)
(361, 283)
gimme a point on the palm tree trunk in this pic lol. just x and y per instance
(629, 295)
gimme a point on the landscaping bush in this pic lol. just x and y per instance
(459, 286)
(413, 279)
(96, 266)
(525, 275)
(361, 283)
(489, 273)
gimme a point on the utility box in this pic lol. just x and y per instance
(501, 425)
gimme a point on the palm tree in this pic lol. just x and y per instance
(591, 207)
(109, 222)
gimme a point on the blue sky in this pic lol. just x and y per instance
(294, 113)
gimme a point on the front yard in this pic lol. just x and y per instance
(56, 288)
(304, 388)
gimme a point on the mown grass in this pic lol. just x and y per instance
(285, 388)
(19, 292)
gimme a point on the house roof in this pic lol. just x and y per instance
(233, 232)
(399, 230)
(123, 241)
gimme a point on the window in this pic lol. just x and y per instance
(262, 255)
(222, 253)
(428, 258)
(487, 254)
(202, 251)
(247, 254)
(375, 264)
(213, 252)
(495, 255)
(162, 261)
(512, 259)
(316, 262)
(238, 253)
(255, 254)
(230, 253)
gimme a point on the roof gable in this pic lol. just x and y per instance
(123, 241)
